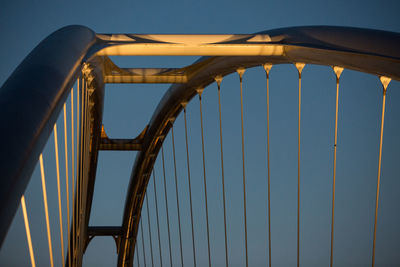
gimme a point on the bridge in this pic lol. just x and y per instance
(204, 194)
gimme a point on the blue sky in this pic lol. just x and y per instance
(23, 24)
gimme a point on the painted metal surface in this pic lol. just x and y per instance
(366, 50)
(32, 97)
(344, 52)
(30, 101)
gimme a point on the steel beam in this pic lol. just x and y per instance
(104, 230)
(143, 75)
(120, 145)
(30, 101)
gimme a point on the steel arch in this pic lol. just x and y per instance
(34, 94)
(54, 64)
(332, 46)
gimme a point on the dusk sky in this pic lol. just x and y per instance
(128, 109)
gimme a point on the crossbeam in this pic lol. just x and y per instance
(107, 143)
(190, 45)
(120, 144)
(146, 75)
(104, 231)
(114, 231)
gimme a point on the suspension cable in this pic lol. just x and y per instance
(385, 82)
(299, 67)
(199, 92)
(166, 206)
(80, 150)
(79, 122)
(267, 68)
(158, 222)
(190, 187)
(66, 174)
(85, 170)
(241, 71)
(73, 163)
(137, 254)
(84, 160)
(149, 225)
(144, 252)
(59, 193)
(81, 147)
(218, 79)
(338, 71)
(176, 190)
(28, 231)
(46, 210)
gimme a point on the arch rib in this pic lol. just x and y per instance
(334, 46)
(34, 94)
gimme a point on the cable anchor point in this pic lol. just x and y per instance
(338, 71)
(241, 71)
(184, 104)
(267, 67)
(199, 91)
(385, 82)
(171, 120)
(218, 80)
(299, 66)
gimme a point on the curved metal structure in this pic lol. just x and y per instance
(334, 46)
(37, 89)
(30, 101)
